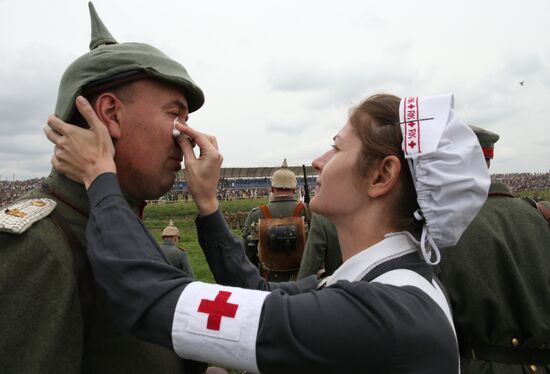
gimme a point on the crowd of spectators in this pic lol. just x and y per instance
(235, 190)
(242, 193)
(11, 190)
(519, 182)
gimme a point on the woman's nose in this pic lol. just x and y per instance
(320, 161)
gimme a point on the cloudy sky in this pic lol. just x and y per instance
(280, 76)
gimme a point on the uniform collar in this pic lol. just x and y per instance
(393, 245)
(283, 198)
(69, 192)
(498, 187)
(137, 207)
(74, 194)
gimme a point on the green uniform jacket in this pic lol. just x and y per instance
(41, 324)
(322, 248)
(279, 207)
(176, 256)
(498, 281)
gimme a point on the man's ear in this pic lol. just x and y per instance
(384, 176)
(107, 107)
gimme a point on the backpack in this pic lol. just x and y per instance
(281, 240)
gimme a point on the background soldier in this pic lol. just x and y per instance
(322, 254)
(176, 256)
(498, 281)
(283, 203)
(53, 318)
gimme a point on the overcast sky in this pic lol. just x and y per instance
(280, 76)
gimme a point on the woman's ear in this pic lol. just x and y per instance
(107, 107)
(384, 176)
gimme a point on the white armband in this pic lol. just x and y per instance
(218, 324)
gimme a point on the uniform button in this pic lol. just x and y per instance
(533, 368)
(515, 342)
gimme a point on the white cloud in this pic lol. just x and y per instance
(279, 77)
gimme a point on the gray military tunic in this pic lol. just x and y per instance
(53, 320)
(176, 256)
(365, 320)
(498, 281)
(322, 248)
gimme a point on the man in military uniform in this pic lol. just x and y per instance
(498, 281)
(322, 254)
(282, 203)
(53, 318)
(175, 255)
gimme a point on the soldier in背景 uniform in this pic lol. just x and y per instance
(278, 207)
(322, 248)
(498, 281)
(54, 319)
(175, 255)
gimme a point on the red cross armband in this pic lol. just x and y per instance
(215, 323)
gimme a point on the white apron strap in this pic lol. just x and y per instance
(404, 277)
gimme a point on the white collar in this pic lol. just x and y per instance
(393, 245)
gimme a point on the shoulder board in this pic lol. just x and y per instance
(19, 216)
(182, 249)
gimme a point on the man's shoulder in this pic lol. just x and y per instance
(255, 213)
(171, 248)
(508, 207)
(40, 244)
(284, 208)
(20, 215)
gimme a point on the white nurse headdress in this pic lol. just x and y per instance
(448, 169)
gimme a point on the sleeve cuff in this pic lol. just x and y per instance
(103, 186)
(214, 224)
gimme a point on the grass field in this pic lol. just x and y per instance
(537, 194)
(156, 217)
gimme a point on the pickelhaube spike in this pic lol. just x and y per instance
(100, 34)
(171, 223)
(284, 165)
(110, 63)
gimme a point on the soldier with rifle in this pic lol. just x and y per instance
(322, 252)
(274, 234)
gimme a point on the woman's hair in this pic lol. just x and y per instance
(376, 121)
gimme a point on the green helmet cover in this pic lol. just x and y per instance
(110, 62)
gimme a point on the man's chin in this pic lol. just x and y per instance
(167, 185)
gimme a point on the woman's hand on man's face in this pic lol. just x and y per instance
(201, 173)
(81, 154)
